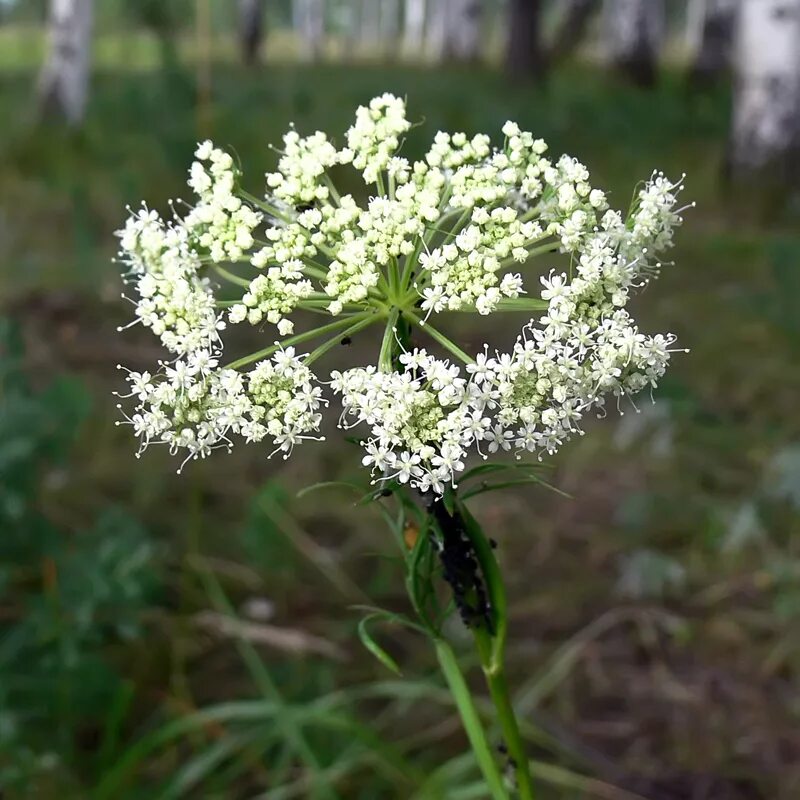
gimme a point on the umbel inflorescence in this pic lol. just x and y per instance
(464, 229)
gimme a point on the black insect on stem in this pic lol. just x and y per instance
(460, 568)
(346, 341)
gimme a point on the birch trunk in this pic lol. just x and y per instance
(635, 29)
(390, 26)
(308, 19)
(436, 29)
(251, 29)
(370, 30)
(715, 49)
(766, 122)
(571, 32)
(413, 27)
(463, 29)
(64, 80)
(693, 31)
(524, 58)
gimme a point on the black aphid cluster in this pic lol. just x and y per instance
(461, 570)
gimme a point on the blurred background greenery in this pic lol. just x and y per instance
(194, 636)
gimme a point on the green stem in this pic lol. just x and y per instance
(440, 337)
(229, 276)
(506, 305)
(292, 340)
(260, 204)
(325, 346)
(550, 247)
(334, 193)
(314, 272)
(498, 689)
(471, 719)
(388, 343)
(491, 650)
(409, 264)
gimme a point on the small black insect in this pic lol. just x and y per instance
(305, 207)
(493, 543)
(346, 341)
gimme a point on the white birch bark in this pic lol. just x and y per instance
(693, 31)
(463, 30)
(64, 80)
(766, 121)
(390, 25)
(634, 32)
(413, 27)
(436, 29)
(370, 30)
(308, 19)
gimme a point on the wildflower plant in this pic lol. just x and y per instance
(469, 228)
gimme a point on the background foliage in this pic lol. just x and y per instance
(193, 637)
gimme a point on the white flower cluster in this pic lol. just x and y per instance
(464, 272)
(273, 295)
(221, 223)
(424, 419)
(174, 302)
(194, 407)
(375, 137)
(455, 231)
(301, 169)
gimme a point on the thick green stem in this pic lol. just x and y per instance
(471, 719)
(491, 650)
(498, 689)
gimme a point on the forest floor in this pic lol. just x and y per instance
(655, 611)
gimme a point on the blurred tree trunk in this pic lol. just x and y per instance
(251, 30)
(463, 30)
(524, 57)
(436, 29)
(351, 17)
(695, 20)
(715, 49)
(571, 32)
(369, 33)
(308, 20)
(766, 120)
(413, 27)
(390, 27)
(64, 80)
(635, 30)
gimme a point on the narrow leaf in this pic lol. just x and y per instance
(374, 647)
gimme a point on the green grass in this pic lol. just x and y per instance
(642, 680)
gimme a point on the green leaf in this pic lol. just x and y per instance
(492, 487)
(329, 485)
(414, 578)
(373, 646)
(448, 498)
(485, 469)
